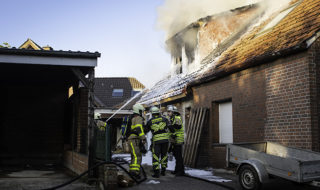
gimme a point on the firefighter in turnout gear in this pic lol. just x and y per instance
(99, 123)
(136, 136)
(160, 141)
(177, 138)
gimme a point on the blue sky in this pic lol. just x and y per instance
(123, 31)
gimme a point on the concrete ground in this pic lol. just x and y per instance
(170, 182)
(36, 179)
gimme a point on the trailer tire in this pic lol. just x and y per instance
(248, 178)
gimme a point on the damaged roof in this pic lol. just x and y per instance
(176, 85)
(290, 35)
(170, 87)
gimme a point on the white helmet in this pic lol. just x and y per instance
(154, 110)
(138, 109)
(97, 116)
(172, 108)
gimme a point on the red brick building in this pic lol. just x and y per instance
(256, 68)
(265, 87)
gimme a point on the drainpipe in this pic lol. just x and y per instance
(108, 144)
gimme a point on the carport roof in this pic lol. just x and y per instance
(48, 57)
(50, 53)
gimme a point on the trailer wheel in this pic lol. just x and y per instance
(248, 178)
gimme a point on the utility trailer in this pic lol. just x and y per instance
(257, 162)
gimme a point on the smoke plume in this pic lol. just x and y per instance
(174, 15)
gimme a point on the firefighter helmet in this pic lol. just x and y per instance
(154, 110)
(97, 116)
(172, 108)
(138, 109)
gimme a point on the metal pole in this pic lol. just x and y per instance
(108, 143)
(91, 122)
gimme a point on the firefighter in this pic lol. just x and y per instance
(99, 123)
(136, 137)
(159, 127)
(177, 138)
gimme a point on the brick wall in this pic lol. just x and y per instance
(246, 90)
(276, 102)
(314, 69)
(82, 121)
(288, 102)
(76, 162)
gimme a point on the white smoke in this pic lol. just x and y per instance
(174, 15)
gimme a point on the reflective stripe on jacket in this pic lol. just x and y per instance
(178, 129)
(137, 127)
(159, 129)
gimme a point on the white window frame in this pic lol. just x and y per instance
(225, 121)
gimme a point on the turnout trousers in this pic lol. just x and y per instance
(160, 156)
(177, 153)
(136, 156)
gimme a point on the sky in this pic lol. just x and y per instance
(123, 31)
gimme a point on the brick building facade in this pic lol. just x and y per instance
(272, 83)
(259, 80)
(275, 102)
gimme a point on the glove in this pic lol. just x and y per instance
(142, 147)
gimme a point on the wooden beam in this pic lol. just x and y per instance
(191, 130)
(194, 158)
(173, 98)
(195, 136)
(81, 77)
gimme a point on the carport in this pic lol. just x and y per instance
(46, 115)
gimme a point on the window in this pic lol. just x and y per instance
(225, 123)
(134, 92)
(276, 20)
(117, 92)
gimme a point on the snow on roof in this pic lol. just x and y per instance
(172, 86)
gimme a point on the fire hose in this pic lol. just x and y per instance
(117, 163)
(193, 177)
